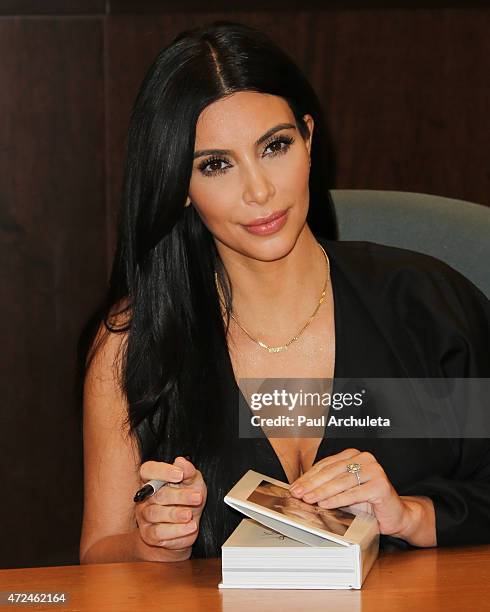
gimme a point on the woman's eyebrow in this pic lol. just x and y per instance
(276, 128)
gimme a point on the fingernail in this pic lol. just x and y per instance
(185, 515)
(175, 473)
(297, 490)
(196, 497)
(190, 526)
(309, 497)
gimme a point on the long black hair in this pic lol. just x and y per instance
(162, 281)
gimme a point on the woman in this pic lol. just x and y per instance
(226, 268)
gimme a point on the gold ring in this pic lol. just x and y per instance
(354, 468)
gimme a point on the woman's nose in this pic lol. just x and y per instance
(258, 188)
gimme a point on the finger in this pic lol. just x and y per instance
(161, 532)
(365, 507)
(357, 494)
(309, 482)
(154, 513)
(195, 481)
(178, 543)
(158, 470)
(187, 467)
(348, 453)
(338, 484)
(173, 496)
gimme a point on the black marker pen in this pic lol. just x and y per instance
(151, 487)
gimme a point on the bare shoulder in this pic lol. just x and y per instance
(110, 340)
(111, 454)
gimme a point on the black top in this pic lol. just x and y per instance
(397, 314)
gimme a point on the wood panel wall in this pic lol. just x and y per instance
(406, 90)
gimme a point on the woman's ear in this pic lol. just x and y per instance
(310, 123)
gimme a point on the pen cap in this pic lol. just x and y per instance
(156, 484)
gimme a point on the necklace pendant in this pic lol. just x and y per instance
(276, 349)
(271, 349)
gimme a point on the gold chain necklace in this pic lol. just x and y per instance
(278, 349)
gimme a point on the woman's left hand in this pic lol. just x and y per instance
(411, 518)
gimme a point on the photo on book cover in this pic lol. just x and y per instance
(270, 502)
(279, 499)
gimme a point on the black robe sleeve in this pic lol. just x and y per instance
(418, 318)
(462, 346)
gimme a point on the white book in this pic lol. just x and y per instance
(287, 543)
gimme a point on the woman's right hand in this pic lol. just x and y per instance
(168, 521)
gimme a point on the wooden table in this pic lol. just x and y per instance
(420, 580)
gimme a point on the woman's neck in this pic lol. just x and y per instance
(277, 295)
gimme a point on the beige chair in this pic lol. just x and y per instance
(454, 231)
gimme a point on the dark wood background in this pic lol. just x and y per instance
(407, 92)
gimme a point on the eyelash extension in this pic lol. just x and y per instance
(287, 140)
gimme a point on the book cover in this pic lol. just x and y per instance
(328, 537)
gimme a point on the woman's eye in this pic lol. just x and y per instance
(213, 166)
(277, 142)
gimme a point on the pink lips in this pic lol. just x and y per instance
(268, 225)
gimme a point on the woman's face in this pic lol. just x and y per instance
(251, 181)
